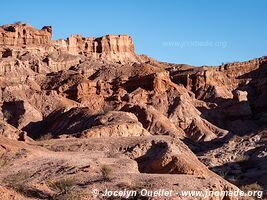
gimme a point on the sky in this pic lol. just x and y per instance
(196, 32)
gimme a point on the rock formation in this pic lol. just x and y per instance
(91, 113)
(109, 47)
(23, 35)
(118, 48)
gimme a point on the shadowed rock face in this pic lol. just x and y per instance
(93, 110)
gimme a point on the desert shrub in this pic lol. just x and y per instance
(223, 173)
(7, 115)
(106, 172)
(65, 189)
(62, 185)
(4, 160)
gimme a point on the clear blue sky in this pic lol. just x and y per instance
(199, 32)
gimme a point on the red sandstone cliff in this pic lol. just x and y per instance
(108, 48)
(23, 35)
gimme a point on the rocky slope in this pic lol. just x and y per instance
(89, 113)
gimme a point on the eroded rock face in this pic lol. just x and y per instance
(103, 85)
(90, 100)
(20, 113)
(8, 131)
(25, 50)
(109, 47)
(155, 122)
(173, 101)
(160, 156)
(213, 83)
(240, 95)
(23, 35)
(82, 123)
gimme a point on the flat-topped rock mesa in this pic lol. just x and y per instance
(23, 35)
(109, 48)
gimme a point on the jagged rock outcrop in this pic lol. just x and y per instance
(213, 83)
(173, 101)
(25, 50)
(118, 48)
(23, 35)
(108, 48)
(115, 124)
(231, 93)
(159, 156)
(8, 131)
(20, 113)
(240, 95)
(82, 123)
(154, 121)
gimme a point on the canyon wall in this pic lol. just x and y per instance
(23, 35)
(109, 48)
(76, 44)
